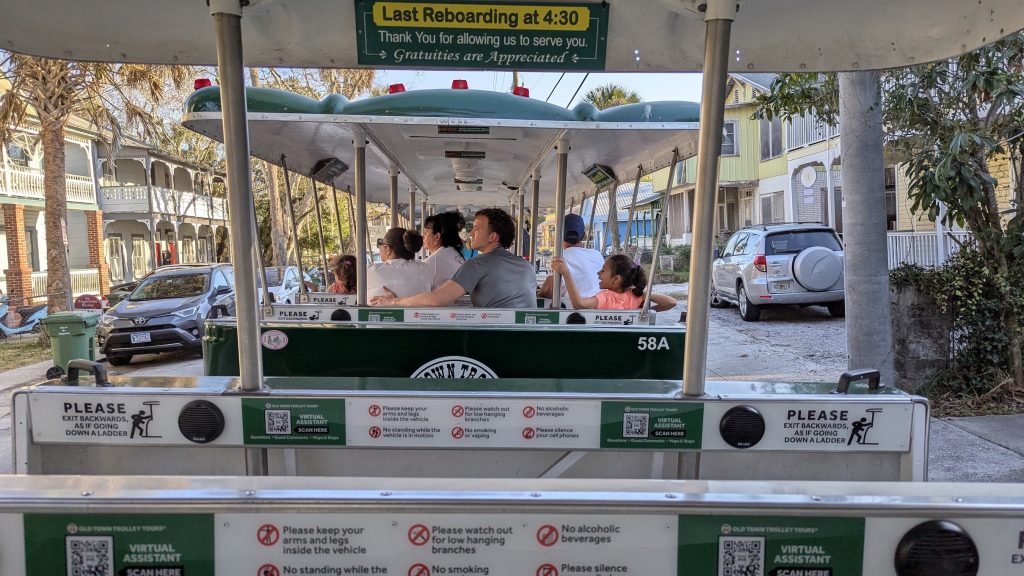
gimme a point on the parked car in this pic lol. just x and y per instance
(282, 283)
(121, 291)
(780, 264)
(166, 311)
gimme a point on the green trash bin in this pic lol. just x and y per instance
(72, 337)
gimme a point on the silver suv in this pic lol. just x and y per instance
(779, 264)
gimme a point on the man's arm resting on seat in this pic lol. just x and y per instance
(446, 293)
(545, 289)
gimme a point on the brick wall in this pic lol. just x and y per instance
(97, 259)
(19, 269)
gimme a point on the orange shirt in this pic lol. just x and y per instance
(611, 300)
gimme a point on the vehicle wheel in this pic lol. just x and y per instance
(54, 372)
(837, 309)
(717, 302)
(119, 360)
(748, 311)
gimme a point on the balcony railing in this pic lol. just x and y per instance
(83, 281)
(921, 248)
(136, 199)
(26, 183)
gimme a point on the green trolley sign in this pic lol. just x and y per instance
(481, 35)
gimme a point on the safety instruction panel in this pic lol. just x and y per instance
(317, 312)
(792, 424)
(404, 544)
(473, 422)
(481, 34)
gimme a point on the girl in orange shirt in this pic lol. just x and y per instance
(622, 284)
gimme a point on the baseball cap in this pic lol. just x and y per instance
(574, 228)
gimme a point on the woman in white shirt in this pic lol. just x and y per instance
(442, 239)
(398, 270)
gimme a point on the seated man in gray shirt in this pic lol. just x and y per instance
(495, 278)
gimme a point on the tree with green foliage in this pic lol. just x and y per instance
(610, 95)
(110, 96)
(951, 123)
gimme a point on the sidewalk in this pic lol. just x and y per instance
(977, 449)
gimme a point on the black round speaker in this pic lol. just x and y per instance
(742, 427)
(936, 547)
(341, 314)
(576, 318)
(201, 421)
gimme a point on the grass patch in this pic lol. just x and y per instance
(951, 401)
(15, 353)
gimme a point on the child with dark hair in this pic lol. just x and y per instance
(344, 269)
(621, 282)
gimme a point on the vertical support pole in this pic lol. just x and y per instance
(590, 225)
(534, 216)
(320, 229)
(561, 167)
(257, 255)
(868, 324)
(632, 206)
(228, 22)
(423, 219)
(520, 233)
(656, 249)
(295, 229)
(359, 143)
(352, 222)
(718, 24)
(393, 175)
(337, 218)
(613, 217)
(412, 207)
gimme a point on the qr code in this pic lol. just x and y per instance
(635, 425)
(373, 318)
(740, 556)
(530, 320)
(278, 421)
(90, 555)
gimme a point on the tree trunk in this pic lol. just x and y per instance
(58, 285)
(278, 226)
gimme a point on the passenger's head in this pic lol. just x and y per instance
(620, 273)
(400, 243)
(442, 231)
(573, 229)
(492, 227)
(344, 268)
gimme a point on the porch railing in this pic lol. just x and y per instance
(921, 248)
(83, 281)
(25, 183)
(136, 199)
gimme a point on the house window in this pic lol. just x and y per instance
(771, 138)
(892, 221)
(729, 144)
(115, 257)
(188, 250)
(773, 208)
(16, 155)
(32, 247)
(140, 256)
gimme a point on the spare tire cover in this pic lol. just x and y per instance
(817, 268)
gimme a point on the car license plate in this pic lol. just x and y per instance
(783, 286)
(141, 337)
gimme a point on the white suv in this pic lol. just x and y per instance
(779, 264)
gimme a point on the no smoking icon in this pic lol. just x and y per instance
(419, 534)
(458, 432)
(374, 431)
(529, 412)
(268, 534)
(458, 411)
(374, 410)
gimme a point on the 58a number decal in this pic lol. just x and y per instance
(652, 343)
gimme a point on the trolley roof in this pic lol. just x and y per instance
(459, 147)
(643, 35)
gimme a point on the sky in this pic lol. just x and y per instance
(650, 87)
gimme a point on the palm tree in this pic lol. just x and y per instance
(111, 96)
(611, 95)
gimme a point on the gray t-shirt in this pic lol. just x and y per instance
(498, 279)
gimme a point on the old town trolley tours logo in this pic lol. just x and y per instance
(454, 367)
